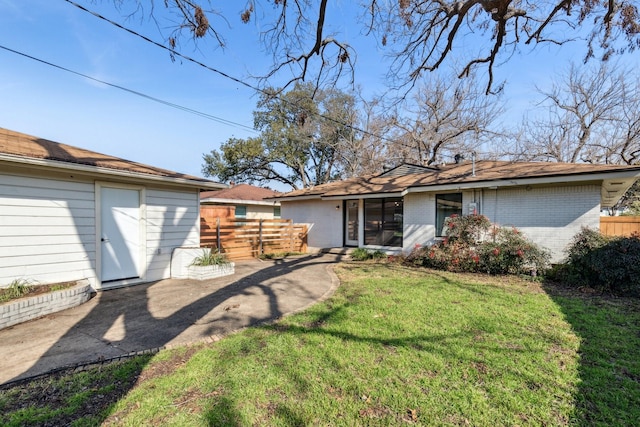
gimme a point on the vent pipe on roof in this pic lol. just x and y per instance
(473, 163)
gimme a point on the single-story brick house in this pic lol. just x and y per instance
(240, 201)
(406, 206)
(68, 214)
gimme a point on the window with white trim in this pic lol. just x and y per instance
(446, 205)
(241, 211)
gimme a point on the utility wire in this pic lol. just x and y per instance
(151, 98)
(134, 92)
(174, 52)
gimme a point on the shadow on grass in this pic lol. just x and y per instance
(283, 410)
(609, 366)
(284, 413)
(150, 332)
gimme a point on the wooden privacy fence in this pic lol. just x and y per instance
(619, 225)
(250, 238)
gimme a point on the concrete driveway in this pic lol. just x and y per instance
(163, 314)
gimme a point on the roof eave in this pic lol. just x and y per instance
(364, 196)
(212, 200)
(626, 174)
(297, 198)
(97, 170)
(514, 182)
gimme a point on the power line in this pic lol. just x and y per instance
(134, 92)
(173, 105)
(174, 52)
(160, 45)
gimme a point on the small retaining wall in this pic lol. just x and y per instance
(25, 309)
(181, 267)
(210, 271)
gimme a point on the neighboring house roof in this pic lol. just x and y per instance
(240, 194)
(480, 174)
(20, 148)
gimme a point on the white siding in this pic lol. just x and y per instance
(47, 230)
(173, 220)
(322, 218)
(259, 212)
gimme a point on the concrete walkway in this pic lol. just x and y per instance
(163, 314)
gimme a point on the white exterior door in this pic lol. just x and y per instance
(120, 234)
(351, 223)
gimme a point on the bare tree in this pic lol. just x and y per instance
(449, 117)
(626, 148)
(367, 151)
(420, 35)
(425, 33)
(591, 115)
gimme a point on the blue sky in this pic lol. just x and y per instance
(47, 102)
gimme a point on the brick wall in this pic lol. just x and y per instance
(323, 219)
(550, 216)
(419, 220)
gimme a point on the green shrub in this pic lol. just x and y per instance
(618, 265)
(16, 289)
(378, 254)
(468, 229)
(583, 244)
(579, 269)
(466, 249)
(607, 264)
(209, 257)
(276, 255)
(510, 252)
(448, 255)
(362, 254)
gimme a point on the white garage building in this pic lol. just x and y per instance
(68, 214)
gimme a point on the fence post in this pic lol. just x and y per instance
(218, 234)
(260, 238)
(291, 236)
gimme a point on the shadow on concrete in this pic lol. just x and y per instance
(259, 292)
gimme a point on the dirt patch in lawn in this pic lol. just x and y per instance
(87, 393)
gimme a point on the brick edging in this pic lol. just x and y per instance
(24, 309)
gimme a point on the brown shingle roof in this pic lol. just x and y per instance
(485, 172)
(240, 192)
(27, 146)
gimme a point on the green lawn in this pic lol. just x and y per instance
(395, 345)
